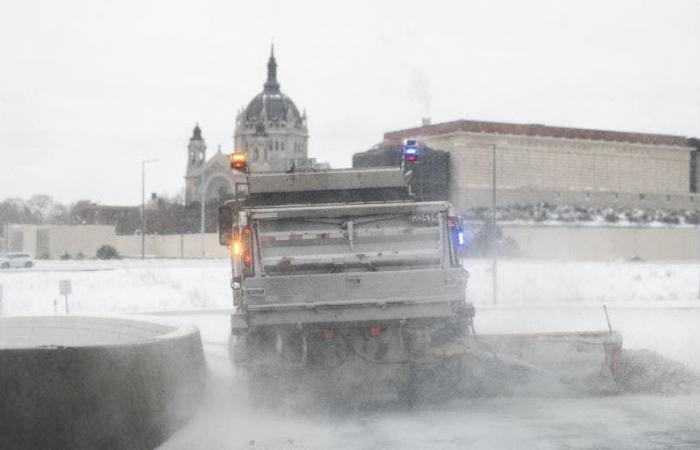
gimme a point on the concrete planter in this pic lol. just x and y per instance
(88, 382)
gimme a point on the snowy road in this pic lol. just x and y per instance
(654, 305)
(625, 422)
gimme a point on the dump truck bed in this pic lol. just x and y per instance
(351, 262)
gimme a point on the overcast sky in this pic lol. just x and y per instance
(88, 89)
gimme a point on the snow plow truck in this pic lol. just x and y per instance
(346, 285)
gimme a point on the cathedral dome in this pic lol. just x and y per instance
(271, 106)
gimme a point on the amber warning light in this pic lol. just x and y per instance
(238, 161)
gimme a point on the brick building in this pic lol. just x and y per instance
(537, 163)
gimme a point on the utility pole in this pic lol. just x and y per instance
(143, 205)
(203, 197)
(182, 228)
(494, 257)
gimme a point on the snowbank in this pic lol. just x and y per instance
(132, 286)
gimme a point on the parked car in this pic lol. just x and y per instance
(16, 259)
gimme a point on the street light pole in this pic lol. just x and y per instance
(202, 212)
(143, 205)
(494, 258)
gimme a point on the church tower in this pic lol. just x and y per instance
(196, 157)
(270, 129)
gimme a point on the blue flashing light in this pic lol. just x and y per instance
(411, 151)
(460, 237)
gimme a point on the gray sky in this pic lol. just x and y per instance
(90, 88)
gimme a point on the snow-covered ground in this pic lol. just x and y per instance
(124, 286)
(654, 305)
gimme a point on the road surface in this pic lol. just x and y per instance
(225, 421)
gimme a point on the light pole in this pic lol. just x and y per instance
(143, 205)
(494, 258)
(202, 200)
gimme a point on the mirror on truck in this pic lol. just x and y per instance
(226, 212)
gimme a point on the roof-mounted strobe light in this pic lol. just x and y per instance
(238, 161)
(411, 151)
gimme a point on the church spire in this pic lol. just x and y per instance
(271, 85)
(196, 133)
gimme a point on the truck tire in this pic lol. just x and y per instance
(29, 265)
(5, 265)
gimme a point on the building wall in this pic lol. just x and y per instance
(275, 150)
(558, 164)
(219, 179)
(52, 241)
(595, 243)
(20, 238)
(598, 243)
(475, 197)
(172, 246)
(75, 239)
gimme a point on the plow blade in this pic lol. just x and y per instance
(554, 363)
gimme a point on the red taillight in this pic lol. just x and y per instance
(375, 331)
(328, 334)
(247, 251)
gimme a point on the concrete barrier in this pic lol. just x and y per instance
(70, 382)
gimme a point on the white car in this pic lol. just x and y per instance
(15, 259)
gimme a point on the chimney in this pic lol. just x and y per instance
(426, 121)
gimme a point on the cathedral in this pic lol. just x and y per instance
(270, 130)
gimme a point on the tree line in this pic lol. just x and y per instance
(164, 214)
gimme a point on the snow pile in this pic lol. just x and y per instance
(645, 371)
(128, 286)
(522, 282)
(118, 287)
(544, 212)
